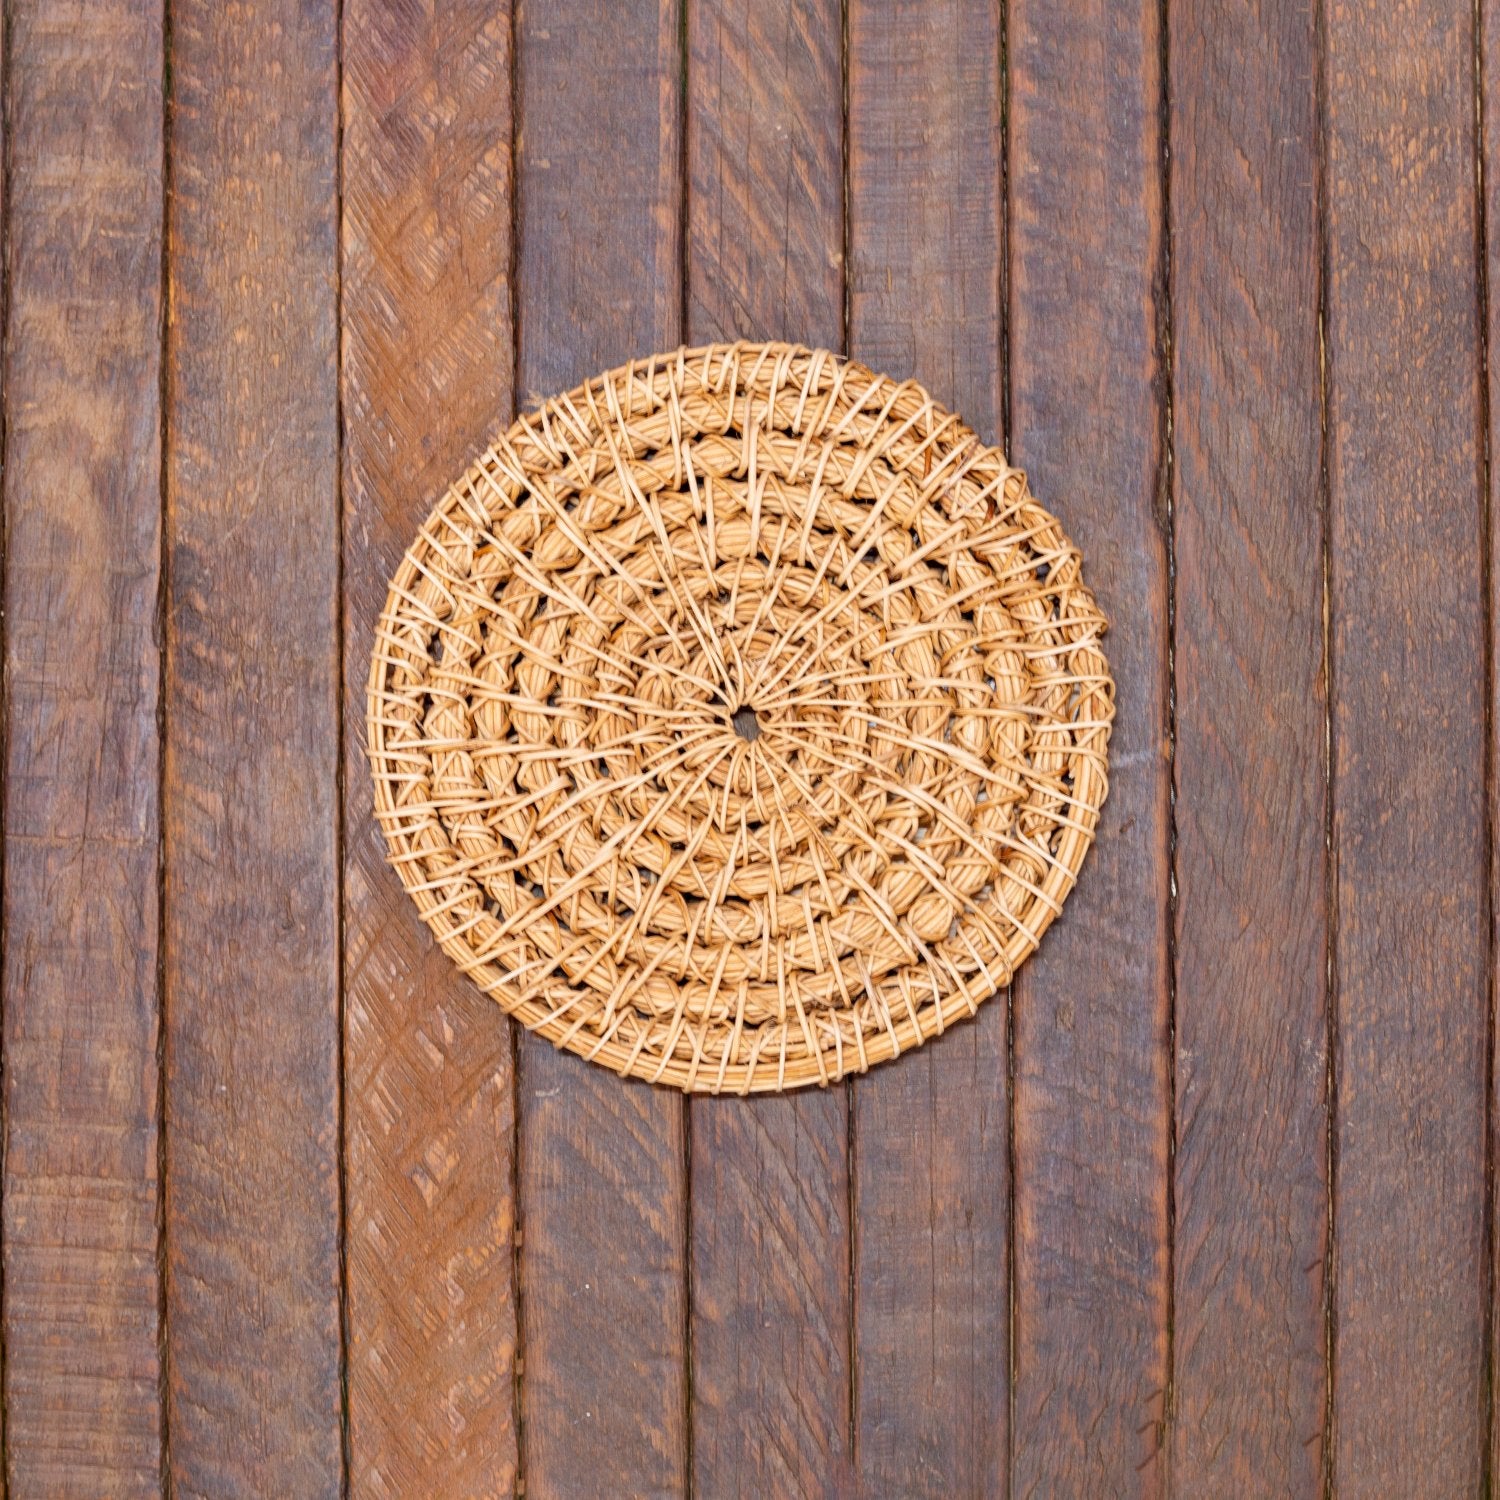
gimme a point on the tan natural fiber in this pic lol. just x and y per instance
(602, 836)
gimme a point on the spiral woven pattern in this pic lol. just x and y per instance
(738, 720)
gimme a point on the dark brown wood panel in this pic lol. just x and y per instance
(765, 158)
(1410, 851)
(429, 1118)
(1250, 765)
(930, 1166)
(251, 790)
(769, 1208)
(82, 501)
(1489, 147)
(602, 1165)
(1092, 1110)
(771, 1299)
(599, 163)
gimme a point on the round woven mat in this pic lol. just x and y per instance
(738, 720)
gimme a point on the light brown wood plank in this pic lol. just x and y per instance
(251, 796)
(931, 1225)
(1251, 934)
(770, 1176)
(1092, 1112)
(429, 1119)
(1410, 851)
(82, 500)
(602, 1165)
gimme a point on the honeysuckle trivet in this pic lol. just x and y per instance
(738, 720)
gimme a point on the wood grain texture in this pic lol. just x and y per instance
(602, 1167)
(769, 1206)
(429, 1118)
(251, 804)
(765, 157)
(1411, 945)
(599, 275)
(931, 1226)
(1092, 1113)
(82, 501)
(1251, 932)
(930, 1289)
(1489, 145)
(771, 1303)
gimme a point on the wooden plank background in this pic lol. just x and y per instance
(429, 1080)
(250, 804)
(930, 1163)
(1250, 762)
(769, 1206)
(1204, 1205)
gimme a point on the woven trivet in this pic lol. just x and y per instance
(738, 720)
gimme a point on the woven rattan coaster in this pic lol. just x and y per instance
(738, 720)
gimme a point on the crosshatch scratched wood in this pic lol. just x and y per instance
(769, 1210)
(602, 1168)
(1092, 1110)
(1406, 599)
(251, 782)
(429, 1118)
(82, 547)
(1251, 939)
(931, 1182)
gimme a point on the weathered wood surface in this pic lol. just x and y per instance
(1250, 763)
(1088, 320)
(1203, 1206)
(429, 1080)
(82, 525)
(931, 1175)
(1412, 965)
(602, 1175)
(251, 786)
(1488, 97)
(769, 1207)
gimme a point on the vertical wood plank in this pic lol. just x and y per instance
(1092, 1112)
(1406, 577)
(1488, 40)
(429, 1119)
(770, 1175)
(602, 1165)
(251, 809)
(765, 155)
(82, 498)
(930, 1164)
(1251, 934)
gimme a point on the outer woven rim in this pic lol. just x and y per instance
(557, 768)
